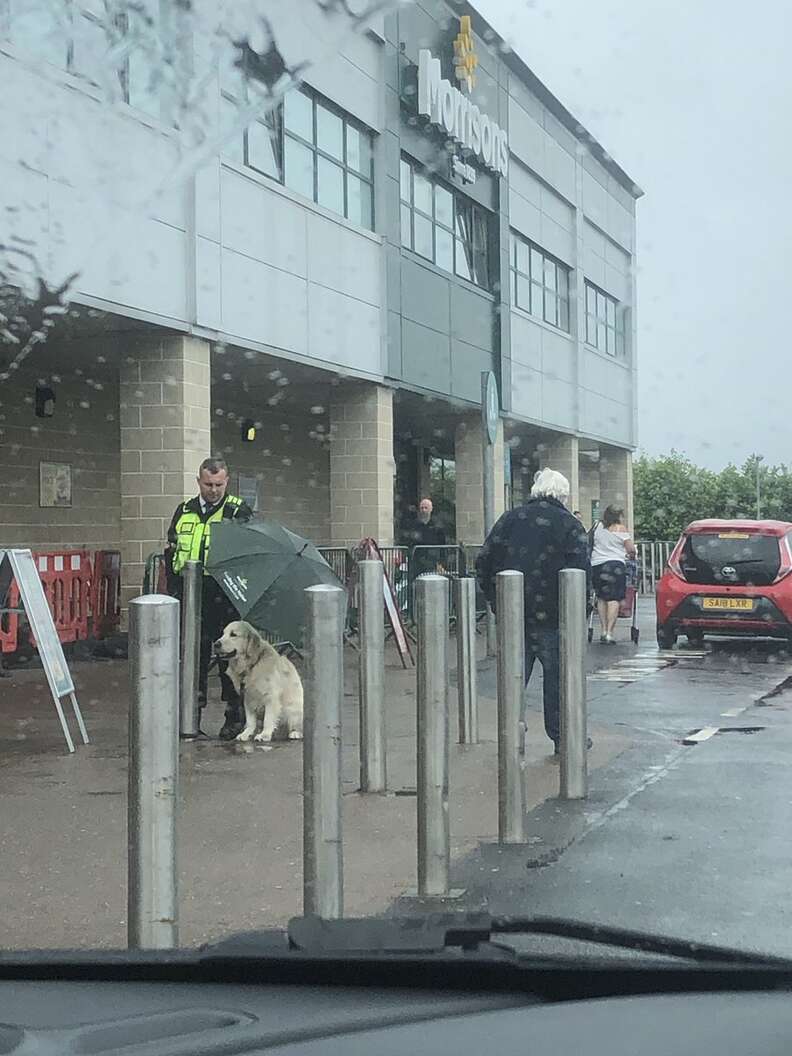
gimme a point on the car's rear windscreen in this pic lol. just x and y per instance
(730, 558)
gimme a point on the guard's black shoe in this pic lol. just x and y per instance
(229, 730)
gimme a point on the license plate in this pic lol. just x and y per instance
(728, 604)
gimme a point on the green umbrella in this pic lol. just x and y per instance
(263, 569)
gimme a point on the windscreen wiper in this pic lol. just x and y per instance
(438, 932)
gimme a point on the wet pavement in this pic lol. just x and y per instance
(687, 832)
(63, 825)
(63, 838)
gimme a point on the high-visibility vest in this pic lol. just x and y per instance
(193, 533)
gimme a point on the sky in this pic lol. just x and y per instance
(693, 101)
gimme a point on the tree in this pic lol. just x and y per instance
(671, 491)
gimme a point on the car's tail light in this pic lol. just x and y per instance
(674, 561)
(785, 567)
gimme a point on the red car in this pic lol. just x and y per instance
(727, 577)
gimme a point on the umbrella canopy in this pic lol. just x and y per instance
(263, 569)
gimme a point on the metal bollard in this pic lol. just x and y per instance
(510, 603)
(323, 868)
(574, 738)
(431, 600)
(152, 897)
(189, 715)
(373, 777)
(467, 689)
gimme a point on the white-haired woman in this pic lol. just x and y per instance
(538, 539)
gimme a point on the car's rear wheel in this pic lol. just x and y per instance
(666, 636)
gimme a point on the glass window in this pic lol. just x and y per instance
(359, 201)
(406, 226)
(604, 322)
(523, 254)
(480, 249)
(444, 249)
(234, 142)
(358, 150)
(329, 132)
(462, 262)
(563, 285)
(549, 274)
(444, 226)
(298, 167)
(602, 342)
(330, 185)
(423, 236)
(262, 149)
(549, 283)
(89, 48)
(444, 207)
(523, 292)
(422, 193)
(298, 114)
(591, 329)
(405, 181)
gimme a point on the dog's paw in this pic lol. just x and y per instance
(245, 735)
(295, 735)
(263, 738)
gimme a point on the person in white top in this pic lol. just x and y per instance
(611, 546)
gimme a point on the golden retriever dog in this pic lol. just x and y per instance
(268, 683)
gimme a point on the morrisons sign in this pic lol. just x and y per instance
(463, 121)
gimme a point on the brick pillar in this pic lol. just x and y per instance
(165, 434)
(362, 468)
(469, 479)
(616, 487)
(561, 453)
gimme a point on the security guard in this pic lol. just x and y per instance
(189, 538)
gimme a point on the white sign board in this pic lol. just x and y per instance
(248, 490)
(462, 120)
(50, 650)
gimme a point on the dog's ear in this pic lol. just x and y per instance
(254, 646)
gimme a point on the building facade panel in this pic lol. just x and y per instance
(336, 282)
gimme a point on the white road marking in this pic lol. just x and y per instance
(623, 679)
(701, 735)
(732, 713)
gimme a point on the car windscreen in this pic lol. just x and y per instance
(731, 557)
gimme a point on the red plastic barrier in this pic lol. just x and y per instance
(66, 578)
(106, 593)
(9, 621)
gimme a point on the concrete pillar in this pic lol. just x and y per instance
(616, 487)
(469, 487)
(165, 434)
(362, 468)
(561, 453)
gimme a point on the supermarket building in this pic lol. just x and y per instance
(338, 271)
